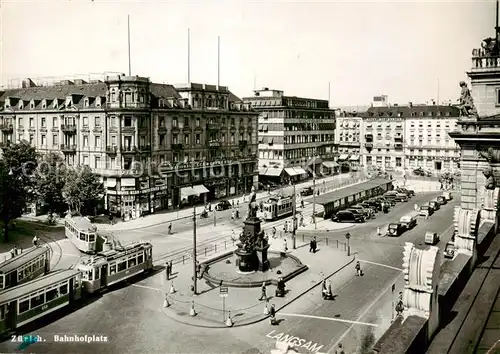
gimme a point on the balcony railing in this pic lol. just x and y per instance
(128, 150)
(68, 148)
(68, 129)
(128, 129)
(7, 128)
(112, 150)
(482, 62)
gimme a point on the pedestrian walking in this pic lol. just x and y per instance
(272, 315)
(302, 221)
(378, 231)
(302, 203)
(274, 231)
(311, 245)
(170, 266)
(167, 271)
(263, 294)
(285, 248)
(339, 349)
(170, 228)
(315, 244)
(238, 203)
(232, 203)
(358, 269)
(285, 227)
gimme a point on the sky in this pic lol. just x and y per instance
(411, 51)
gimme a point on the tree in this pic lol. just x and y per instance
(82, 190)
(50, 183)
(17, 182)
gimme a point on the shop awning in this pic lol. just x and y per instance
(291, 171)
(300, 170)
(354, 158)
(262, 171)
(330, 164)
(343, 156)
(194, 190)
(274, 172)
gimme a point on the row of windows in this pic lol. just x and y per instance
(83, 236)
(412, 114)
(44, 296)
(128, 262)
(31, 267)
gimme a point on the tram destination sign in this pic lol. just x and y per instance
(224, 291)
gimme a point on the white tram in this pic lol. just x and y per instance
(81, 232)
(109, 267)
(25, 266)
(277, 207)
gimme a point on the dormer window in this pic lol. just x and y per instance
(32, 105)
(98, 101)
(142, 95)
(161, 103)
(113, 96)
(21, 104)
(55, 103)
(44, 104)
(86, 102)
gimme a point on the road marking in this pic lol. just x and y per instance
(358, 319)
(381, 265)
(328, 319)
(66, 254)
(147, 287)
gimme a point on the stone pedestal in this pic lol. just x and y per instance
(262, 257)
(252, 226)
(247, 261)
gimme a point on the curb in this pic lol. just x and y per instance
(260, 319)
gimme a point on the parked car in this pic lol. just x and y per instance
(306, 191)
(449, 250)
(368, 206)
(434, 205)
(431, 238)
(419, 171)
(441, 200)
(360, 210)
(367, 209)
(223, 205)
(426, 210)
(409, 192)
(395, 229)
(377, 205)
(388, 201)
(347, 216)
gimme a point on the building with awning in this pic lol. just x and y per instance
(330, 164)
(304, 117)
(354, 158)
(343, 157)
(197, 191)
(274, 172)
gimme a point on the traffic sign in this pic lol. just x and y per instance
(224, 291)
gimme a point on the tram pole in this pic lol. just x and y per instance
(194, 249)
(294, 218)
(314, 199)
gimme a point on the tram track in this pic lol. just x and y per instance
(52, 251)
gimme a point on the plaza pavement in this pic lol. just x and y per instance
(243, 302)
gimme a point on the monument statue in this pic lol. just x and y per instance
(490, 47)
(466, 106)
(252, 205)
(490, 180)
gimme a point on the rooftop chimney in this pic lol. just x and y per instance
(410, 104)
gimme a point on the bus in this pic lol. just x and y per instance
(277, 207)
(25, 266)
(81, 232)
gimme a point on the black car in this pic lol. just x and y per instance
(375, 203)
(360, 210)
(223, 205)
(368, 206)
(409, 192)
(306, 191)
(347, 216)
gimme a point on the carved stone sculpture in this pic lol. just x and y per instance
(491, 155)
(490, 180)
(252, 205)
(490, 47)
(466, 222)
(466, 106)
(421, 270)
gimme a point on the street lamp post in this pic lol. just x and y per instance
(294, 220)
(348, 236)
(314, 200)
(215, 217)
(194, 249)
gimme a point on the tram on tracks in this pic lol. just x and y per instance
(81, 232)
(25, 266)
(277, 207)
(27, 302)
(115, 265)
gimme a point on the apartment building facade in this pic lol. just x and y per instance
(154, 145)
(398, 138)
(296, 135)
